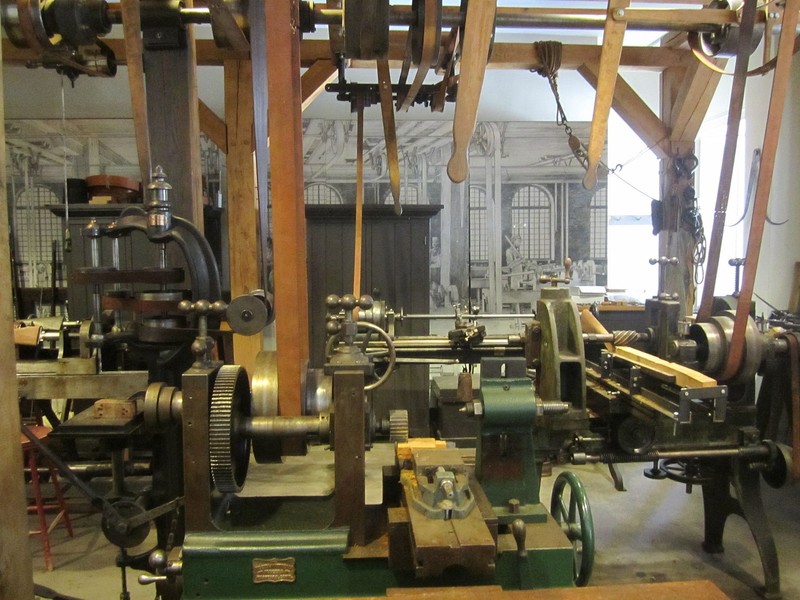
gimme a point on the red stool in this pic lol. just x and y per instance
(39, 506)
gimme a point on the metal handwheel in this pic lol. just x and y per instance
(389, 351)
(570, 508)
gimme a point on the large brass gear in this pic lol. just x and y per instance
(229, 451)
(398, 425)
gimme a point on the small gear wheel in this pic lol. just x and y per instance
(229, 451)
(398, 425)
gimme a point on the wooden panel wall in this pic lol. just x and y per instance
(396, 255)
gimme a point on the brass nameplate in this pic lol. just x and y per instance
(274, 570)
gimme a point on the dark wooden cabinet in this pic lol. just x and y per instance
(395, 268)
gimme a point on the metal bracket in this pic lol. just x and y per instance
(635, 383)
(606, 364)
(717, 394)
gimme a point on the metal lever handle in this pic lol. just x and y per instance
(662, 262)
(554, 280)
(148, 579)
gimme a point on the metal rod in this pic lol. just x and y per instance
(118, 472)
(63, 469)
(438, 342)
(264, 427)
(478, 316)
(507, 17)
(534, 18)
(753, 452)
(102, 469)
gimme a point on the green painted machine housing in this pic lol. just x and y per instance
(219, 566)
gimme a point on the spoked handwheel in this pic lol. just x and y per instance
(690, 471)
(570, 508)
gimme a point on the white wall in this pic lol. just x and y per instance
(781, 245)
(36, 94)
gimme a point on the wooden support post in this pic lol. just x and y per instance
(288, 207)
(349, 459)
(242, 211)
(174, 121)
(16, 574)
(686, 94)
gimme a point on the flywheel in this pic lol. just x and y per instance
(229, 451)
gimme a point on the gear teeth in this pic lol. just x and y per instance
(398, 425)
(226, 398)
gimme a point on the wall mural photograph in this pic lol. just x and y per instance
(521, 213)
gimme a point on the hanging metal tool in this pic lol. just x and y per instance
(477, 39)
(613, 35)
(728, 159)
(389, 132)
(755, 164)
(751, 190)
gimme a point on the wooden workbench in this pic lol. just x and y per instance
(669, 590)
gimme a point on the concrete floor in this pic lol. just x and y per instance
(650, 533)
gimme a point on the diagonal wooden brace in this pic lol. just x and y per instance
(610, 55)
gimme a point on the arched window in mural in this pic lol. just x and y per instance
(409, 194)
(322, 193)
(598, 225)
(38, 231)
(532, 209)
(478, 233)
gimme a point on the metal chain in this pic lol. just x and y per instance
(549, 53)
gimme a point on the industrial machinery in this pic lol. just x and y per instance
(554, 393)
(440, 517)
(562, 391)
(133, 337)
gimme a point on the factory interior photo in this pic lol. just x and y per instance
(424, 299)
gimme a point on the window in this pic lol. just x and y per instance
(38, 232)
(408, 195)
(598, 224)
(322, 193)
(532, 222)
(478, 235)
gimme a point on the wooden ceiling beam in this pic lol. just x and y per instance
(504, 55)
